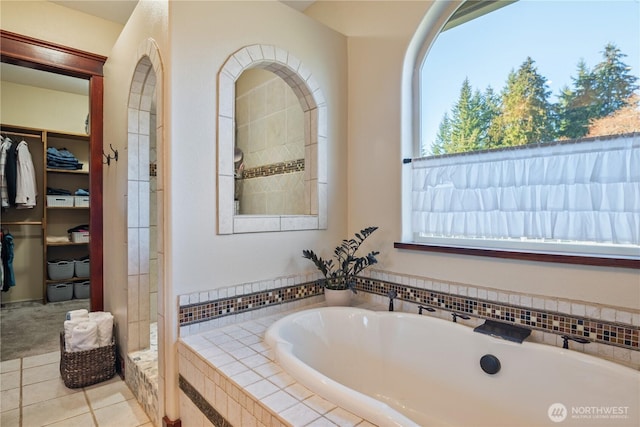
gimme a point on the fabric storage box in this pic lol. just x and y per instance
(80, 237)
(84, 368)
(81, 201)
(81, 290)
(81, 268)
(60, 201)
(60, 270)
(59, 292)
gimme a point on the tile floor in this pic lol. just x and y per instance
(32, 394)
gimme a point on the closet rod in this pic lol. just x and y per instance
(21, 223)
(28, 135)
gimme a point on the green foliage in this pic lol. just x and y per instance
(342, 274)
(522, 113)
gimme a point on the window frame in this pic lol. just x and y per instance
(441, 16)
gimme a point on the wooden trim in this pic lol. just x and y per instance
(524, 256)
(42, 55)
(96, 90)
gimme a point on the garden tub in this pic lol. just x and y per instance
(401, 369)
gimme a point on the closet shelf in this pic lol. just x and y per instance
(68, 207)
(75, 172)
(73, 279)
(67, 243)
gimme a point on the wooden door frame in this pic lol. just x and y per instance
(42, 55)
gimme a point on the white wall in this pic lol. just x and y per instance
(376, 53)
(36, 107)
(48, 21)
(204, 35)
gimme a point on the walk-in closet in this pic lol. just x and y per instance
(52, 243)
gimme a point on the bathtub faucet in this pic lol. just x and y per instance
(462, 316)
(424, 307)
(566, 338)
(391, 294)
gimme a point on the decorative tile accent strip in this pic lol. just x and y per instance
(274, 169)
(618, 334)
(153, 169)
(202, 404)
(200, 312)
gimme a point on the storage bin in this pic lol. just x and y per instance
(81, 290)
(80, 237)
(60, 201)
(84, 368)
(59, 292)
(60, 270)
(81, 268)
(81, 201)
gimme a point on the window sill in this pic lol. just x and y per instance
(524, 256)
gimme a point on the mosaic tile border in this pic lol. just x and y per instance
(605, 325)
(201, 312)
(201, 403)
(279, 168)
(618, 334)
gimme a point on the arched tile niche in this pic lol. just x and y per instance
(299, 78)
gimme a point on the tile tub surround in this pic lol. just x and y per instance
(613, 333)
(141, 375)
(230, 376)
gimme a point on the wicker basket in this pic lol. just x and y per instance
(84, 368)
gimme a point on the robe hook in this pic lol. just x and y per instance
(110, 157)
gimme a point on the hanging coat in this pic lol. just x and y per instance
(11, 172)
(26, 190)
(7, 262)
(4, 195)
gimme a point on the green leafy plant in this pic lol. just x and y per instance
(342, 274)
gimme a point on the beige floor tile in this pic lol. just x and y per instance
(9, 365)
(41, 359)
(10, 418)
(123, 414)
(54, 410)
(9, 380)
(40, 373)
(9, 399)
(106, 394)
(84, 420)
(45, 390)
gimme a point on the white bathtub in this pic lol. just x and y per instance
(399, 369)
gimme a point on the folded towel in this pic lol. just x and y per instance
(68, 331)
(77, 314)
(104, 320)
(84, 336)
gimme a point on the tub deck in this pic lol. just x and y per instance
(235, 371)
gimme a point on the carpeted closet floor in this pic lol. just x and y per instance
(33, 328)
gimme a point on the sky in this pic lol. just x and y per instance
(555, 34)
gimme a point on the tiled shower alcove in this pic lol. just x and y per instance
(228, 376)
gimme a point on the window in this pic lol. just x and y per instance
(529, 130)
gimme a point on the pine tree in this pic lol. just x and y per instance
(613, 81)
(489, 112)
(526, 111)
(578, 106)
(444, 135)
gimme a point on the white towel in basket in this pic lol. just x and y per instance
(104, 320)
(84, 336)
(78, 314)
(68, 331)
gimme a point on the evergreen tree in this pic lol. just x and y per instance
(444, 135)
(489, 112)
(613, 81)
(577, 107)
(526, 111)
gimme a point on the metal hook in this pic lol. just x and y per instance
(110, 157)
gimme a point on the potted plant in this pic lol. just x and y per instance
(340, 277)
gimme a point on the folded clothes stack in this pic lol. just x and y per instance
(62, 159)
(82, 192)
(57, 192)
(86, 331)
(79, 228)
